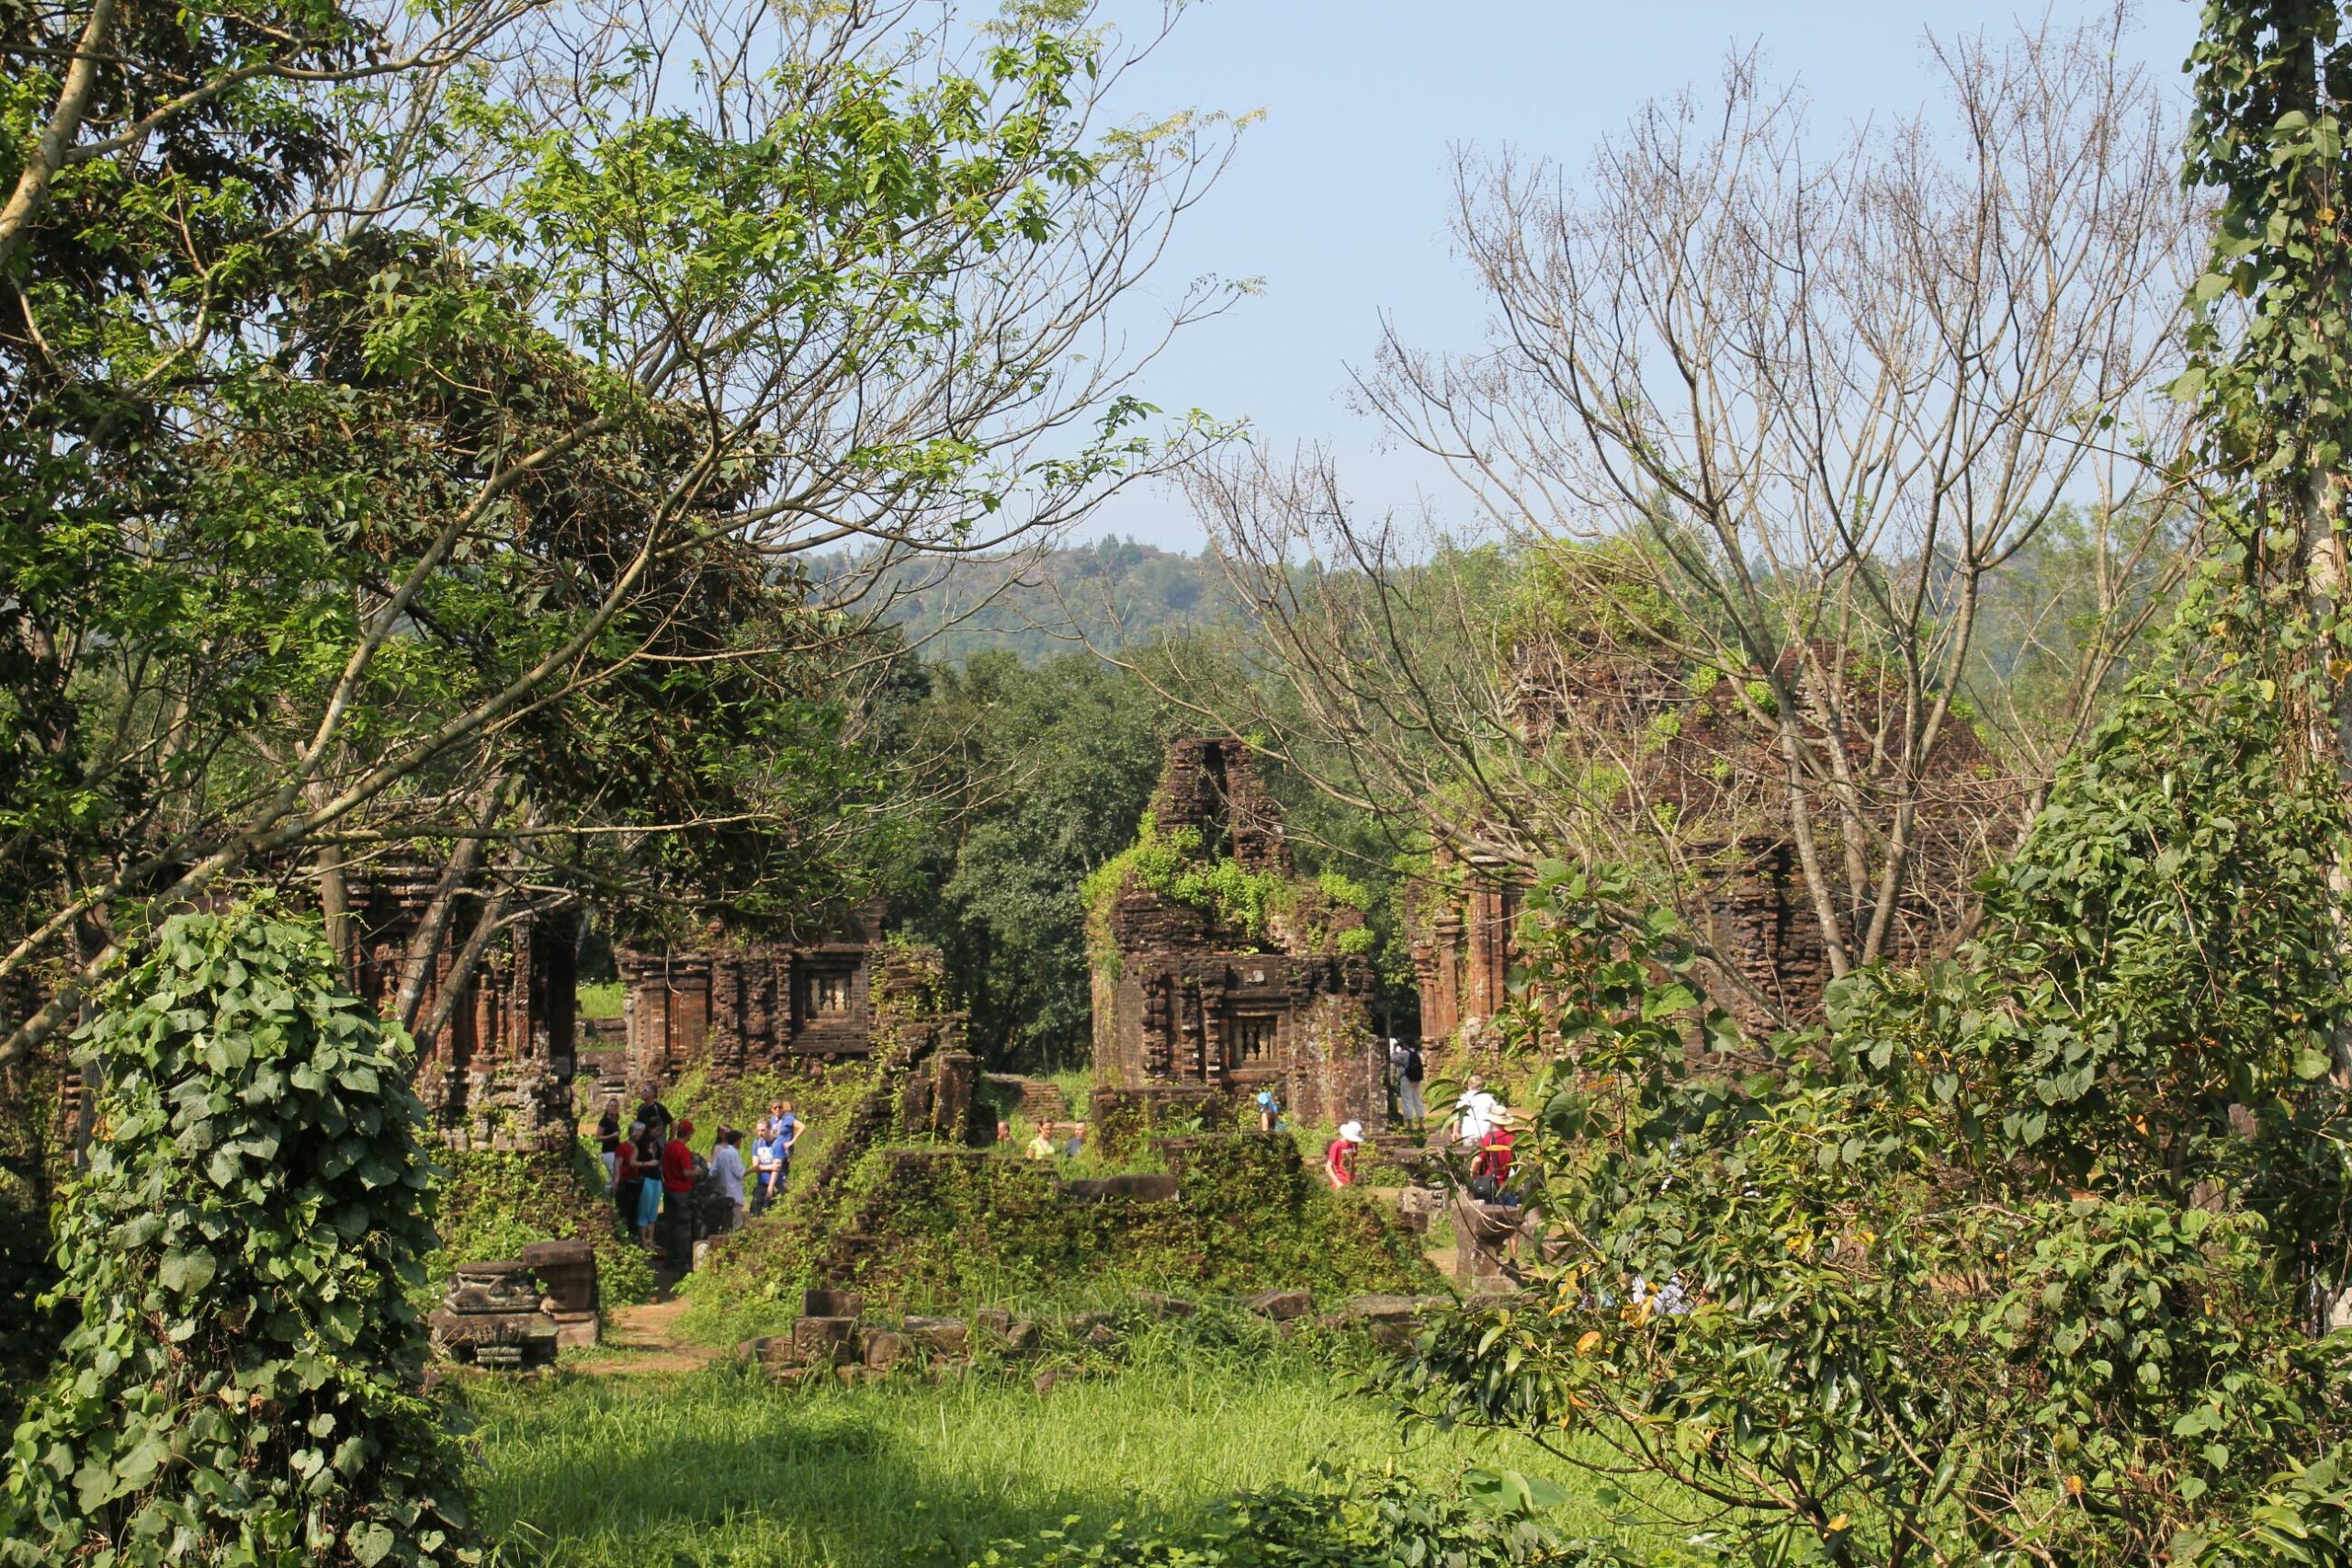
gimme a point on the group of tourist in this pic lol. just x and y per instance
(1044, 1145)
(653, 1164)
(1481, 1124)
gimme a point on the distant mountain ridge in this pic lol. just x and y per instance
(1111, 593)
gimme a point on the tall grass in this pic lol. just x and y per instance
(600, 998)
(724, 1468)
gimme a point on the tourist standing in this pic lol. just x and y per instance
(654, 1114)
(1474, 1113)
(1076, 1144)
(648, 1166)
(678, 1169)
(1270, 1112)
(608, 1142)
(785, 1128)
(1339, 1154)
(1490, 1170)
(763, 1165)
(1042, 1146)
(628, 1177)
(1406, 1062)
(727, 1169)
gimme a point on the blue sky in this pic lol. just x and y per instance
(1338, 197)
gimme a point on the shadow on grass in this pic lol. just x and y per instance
(723, 1467)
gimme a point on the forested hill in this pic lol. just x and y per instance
(1111, 592)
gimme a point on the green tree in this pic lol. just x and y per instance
(1046, 770)
(243, 1383)
(428, 458)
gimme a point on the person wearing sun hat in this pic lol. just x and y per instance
(1339, 1157)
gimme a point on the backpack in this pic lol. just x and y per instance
(1412, 1064)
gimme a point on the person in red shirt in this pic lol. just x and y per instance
(678, 1164)
(1340, 1156)
(1490, 1169)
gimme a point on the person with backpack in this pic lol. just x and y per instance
(1406, 1061)
(1490, 1167)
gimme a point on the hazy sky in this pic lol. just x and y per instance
(1338, 199)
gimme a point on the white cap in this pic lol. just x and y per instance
(1351, 1131)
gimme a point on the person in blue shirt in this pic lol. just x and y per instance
(1270, 1112)
(764, 1165)
(785, 1130)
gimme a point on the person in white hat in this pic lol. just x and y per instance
(1339, 1158)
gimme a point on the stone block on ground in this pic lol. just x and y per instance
(540, 1255)
(1282, 1305)
(994, 1321)
(816, 1340)
(463, 1337)
(885, 1349)
(1082, 1325)
(832, 1304)
(939, 1336)
(775, 1352)
(577, 1330)
(1164, 1307)
(1021, 1336)
(1044, 1382)
(487, 1299)
(1388, 1309)
(1142, 1186)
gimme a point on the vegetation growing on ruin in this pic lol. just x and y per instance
(952, 1230)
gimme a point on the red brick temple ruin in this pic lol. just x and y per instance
(500, 1075)
(1687, 752)
(739, 1008)
(1191, 1005)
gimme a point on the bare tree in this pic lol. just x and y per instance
(1763, 427)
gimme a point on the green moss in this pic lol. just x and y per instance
(1357, 941)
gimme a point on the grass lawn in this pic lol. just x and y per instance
(722, 1468)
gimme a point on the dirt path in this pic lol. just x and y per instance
(646, 1339)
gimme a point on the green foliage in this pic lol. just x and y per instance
(1383, 1521)
(602, 998)
(1044, 770)
(584, 1471)
(1113, 593)
(1172, 864)
(2267, 140)
(242, 1386)
(2014, 1256)
(496, 1202)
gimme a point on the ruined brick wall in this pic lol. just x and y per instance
(500, 1075)
(737, 1008)
(1691, 756)
(1213, 786)
(1181, 998)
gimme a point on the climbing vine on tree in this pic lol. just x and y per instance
(243, 1384)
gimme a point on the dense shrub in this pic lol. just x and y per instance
(243, 1387)
(2018, 1259)
(1488, 1520)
